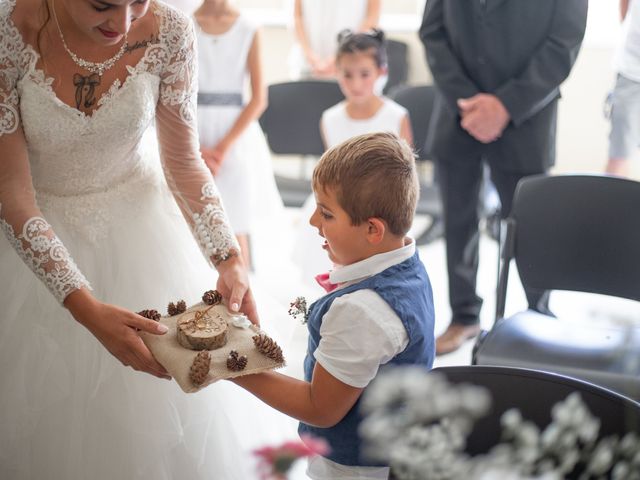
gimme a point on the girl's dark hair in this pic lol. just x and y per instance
(350, 42)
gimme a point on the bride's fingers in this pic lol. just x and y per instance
(140, 357)
(132, 352)
(146, 325)
(238, 291)
(150, 364)
(144, 361)
(249, 307)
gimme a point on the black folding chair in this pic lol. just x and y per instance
(578, 233)
(534, 392)
(418, 100)
(291, 124)
(398, 64)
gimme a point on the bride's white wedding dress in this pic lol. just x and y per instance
(90, 207)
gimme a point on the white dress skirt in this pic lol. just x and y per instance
(68, 409)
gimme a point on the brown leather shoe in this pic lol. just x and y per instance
(454, 336)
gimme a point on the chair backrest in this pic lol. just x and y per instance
(534, 392)
(398, 64)
(578, 232)
(291, 122)
(418, 100)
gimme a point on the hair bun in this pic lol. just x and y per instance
(344, 34)
(377, 34)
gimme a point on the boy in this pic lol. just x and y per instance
(380, 311)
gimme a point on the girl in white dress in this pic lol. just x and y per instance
(317, 24)
(232, 143)
(96, 228)
(360, 62)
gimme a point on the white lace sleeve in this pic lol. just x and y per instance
(20, 219)
(187, 175)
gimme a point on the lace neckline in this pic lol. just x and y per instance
(42, 80)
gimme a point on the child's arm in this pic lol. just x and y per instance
(301, 35)
(256, 105)
(405, 130)
(323, 402)
(372, 16)
(624, 8)
(323, 133)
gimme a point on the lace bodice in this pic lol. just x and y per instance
(67, 159)
(76, 153)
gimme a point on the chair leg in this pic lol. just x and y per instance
(504, 259)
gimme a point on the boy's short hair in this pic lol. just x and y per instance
(373, 175)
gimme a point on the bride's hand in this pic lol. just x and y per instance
(116, 329)
(233, 284)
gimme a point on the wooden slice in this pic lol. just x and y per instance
(202, 328)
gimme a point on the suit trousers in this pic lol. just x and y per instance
(460, 182)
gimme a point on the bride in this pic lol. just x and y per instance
(97, 228)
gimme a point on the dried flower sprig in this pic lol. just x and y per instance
(277, 461)
(299, 308)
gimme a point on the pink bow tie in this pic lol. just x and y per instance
(323, 281)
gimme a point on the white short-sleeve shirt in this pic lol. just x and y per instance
(359, 332)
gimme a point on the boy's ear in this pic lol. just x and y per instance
(376, 229)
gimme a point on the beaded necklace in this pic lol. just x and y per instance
(93, 67)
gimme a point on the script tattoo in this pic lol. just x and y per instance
(86, 89)
(142, 43)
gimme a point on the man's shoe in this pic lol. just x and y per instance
(454, 336)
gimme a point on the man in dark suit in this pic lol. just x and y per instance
(497, 66)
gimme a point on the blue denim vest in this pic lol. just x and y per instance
(407, 290)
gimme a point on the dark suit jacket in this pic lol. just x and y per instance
(518, 50)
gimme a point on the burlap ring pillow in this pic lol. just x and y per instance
(241, 350)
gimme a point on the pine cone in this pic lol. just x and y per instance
(150, 314)
(236, 362)
(212, 297)
(200, 367)
(175, 309)
(268, 347)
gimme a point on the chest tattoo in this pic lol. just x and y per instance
(86, 89)
(142, 43)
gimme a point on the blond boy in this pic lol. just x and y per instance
(378, 309)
